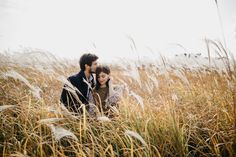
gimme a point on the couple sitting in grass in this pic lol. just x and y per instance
(95, 92)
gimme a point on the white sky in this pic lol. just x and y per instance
(70, 27)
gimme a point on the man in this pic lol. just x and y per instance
(83, 82)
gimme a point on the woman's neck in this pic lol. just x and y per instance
(103, 86)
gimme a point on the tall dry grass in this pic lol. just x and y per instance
(165, 110)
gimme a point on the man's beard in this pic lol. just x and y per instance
(91, 72)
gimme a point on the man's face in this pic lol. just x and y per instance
(93, 67)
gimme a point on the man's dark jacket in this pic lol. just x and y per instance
(69, 100)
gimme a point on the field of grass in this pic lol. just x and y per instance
(165, 110)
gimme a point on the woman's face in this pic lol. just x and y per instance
(103, 78)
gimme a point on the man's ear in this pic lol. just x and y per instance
(86, 66)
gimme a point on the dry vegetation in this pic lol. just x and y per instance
(165, 110)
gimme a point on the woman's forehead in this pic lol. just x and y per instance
(102, 73)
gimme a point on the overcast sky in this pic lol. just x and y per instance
(68, 28)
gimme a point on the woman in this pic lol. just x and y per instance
(106, 98)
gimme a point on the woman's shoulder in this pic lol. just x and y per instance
(116, 90)
(117, 87)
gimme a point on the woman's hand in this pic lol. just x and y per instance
(110, 81)
(110, 78)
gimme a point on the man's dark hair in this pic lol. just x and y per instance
(88, 59)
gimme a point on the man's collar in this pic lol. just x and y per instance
(90, 77)
(84, 76)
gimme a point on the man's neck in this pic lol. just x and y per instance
(87, 74)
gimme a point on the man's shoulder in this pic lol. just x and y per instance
(72, 77)
(76, 77)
